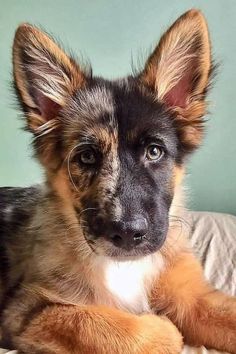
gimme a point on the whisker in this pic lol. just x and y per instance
(180, 219)
(86, 209)
(68, 167)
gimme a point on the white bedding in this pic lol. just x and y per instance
(213, 237)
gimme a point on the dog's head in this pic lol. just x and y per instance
(113, 150)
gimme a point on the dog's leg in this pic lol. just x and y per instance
(203, 315)
(67, 329)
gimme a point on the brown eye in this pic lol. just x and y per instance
(87, 157)
(154, 152)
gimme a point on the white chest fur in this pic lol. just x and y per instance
(126, 283)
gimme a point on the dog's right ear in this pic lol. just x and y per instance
(179, 73)
(45, 76)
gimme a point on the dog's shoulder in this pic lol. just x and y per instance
(16, 204)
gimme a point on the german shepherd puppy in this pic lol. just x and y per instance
(93, 260)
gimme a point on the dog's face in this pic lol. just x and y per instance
(122, 149)
(116, 147)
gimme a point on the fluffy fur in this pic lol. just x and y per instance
(95, 260)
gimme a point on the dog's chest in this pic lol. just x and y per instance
(126, 284)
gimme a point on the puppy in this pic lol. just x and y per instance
(93, 260)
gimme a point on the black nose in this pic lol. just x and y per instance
(128, 234)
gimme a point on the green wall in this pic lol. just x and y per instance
(109, 32)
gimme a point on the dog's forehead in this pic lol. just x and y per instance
(117, 109)
(138, 111)
(90, 114)
(93, 103)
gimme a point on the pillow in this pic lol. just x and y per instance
(213, 237)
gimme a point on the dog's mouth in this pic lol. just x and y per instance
(136, 252)
(100, 246)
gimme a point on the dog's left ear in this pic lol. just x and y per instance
(45, 78)
(178, 72)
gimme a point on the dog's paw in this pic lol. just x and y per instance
(159, 336)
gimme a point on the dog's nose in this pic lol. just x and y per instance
(128, 234)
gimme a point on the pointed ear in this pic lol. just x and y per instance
(178, 72)
(44, 77)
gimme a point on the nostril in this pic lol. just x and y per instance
(117, 240)
(138, 238)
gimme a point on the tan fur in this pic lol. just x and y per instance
(116, 332)
(203, 315)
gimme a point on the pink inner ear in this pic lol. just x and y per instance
(48, 108)
(179, 94)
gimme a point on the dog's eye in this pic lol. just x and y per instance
(154, 152)
(87, 157)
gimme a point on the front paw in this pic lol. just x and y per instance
(159, 336)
